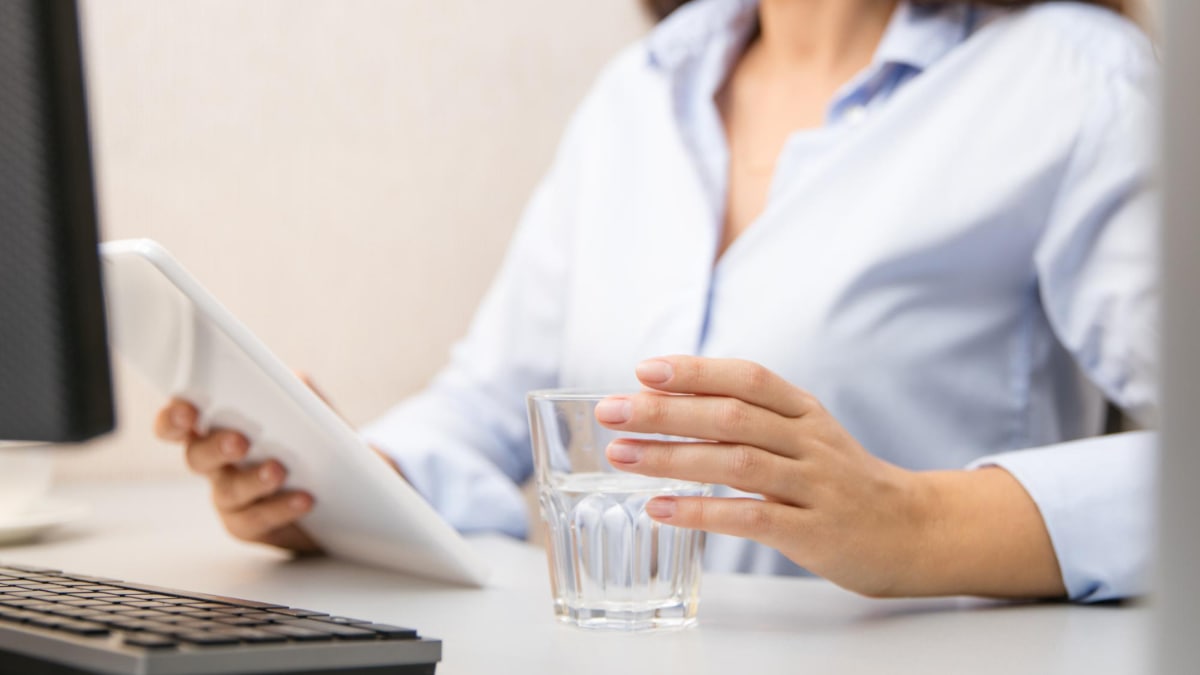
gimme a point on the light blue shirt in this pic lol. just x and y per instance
(960, 264)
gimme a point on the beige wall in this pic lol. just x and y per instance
(344, 175)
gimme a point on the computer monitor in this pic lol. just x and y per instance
(55, 383)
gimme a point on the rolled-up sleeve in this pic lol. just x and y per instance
(1096, 497)
(1097, 275)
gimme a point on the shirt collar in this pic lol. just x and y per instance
(916, 37)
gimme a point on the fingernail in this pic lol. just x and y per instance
(267, 474)
(614, 410)
(230, 447)
(299, 503)
(660, 508)
(624, 451)
(180, 418)
(654, 371)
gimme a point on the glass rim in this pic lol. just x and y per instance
(571, 394)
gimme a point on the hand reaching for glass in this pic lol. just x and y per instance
(828, 504)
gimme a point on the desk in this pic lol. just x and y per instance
(165, 534)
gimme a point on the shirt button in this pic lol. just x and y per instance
(855, 114)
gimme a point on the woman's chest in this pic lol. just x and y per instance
(920, 219)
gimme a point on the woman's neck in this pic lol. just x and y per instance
(823, 34)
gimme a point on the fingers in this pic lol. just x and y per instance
(728, 420)
(743, 467)
(736, 378)
(216, 451)
(176, 421)
(253, 508)
(291, 537)
(776, 525)
(248, 498)
(235, 488)
(258, 521)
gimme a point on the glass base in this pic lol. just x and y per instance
(625, 619)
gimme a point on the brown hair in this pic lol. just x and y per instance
(661, 8)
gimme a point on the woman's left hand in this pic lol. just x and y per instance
(830, 506)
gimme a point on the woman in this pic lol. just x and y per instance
(910, 246)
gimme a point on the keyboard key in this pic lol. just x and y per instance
(263, 616)
(150, 641)
(341, 631)
(206, 638)
(388, 631)
(148, 614)
(256, 635)
(125, 623)
(40, 606)
(192, 624)
(343, 619)
(17, 615)
(234, 611)
(297, 632)
(123, 609)
(241, 621)
(153, 626)
(21, 602)
(298, 613)
(78, 612)
(46, 620)
(145, 604)
(203, 614)
(83, 628)
(105, 618)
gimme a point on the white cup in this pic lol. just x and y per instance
(26, 470)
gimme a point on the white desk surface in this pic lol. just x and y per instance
(165, 534)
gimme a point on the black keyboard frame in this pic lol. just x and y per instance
(56, 622)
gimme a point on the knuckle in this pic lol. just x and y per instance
(694, 512)
(662, 457)
(809, 402)
(262, 519)
(754, 376)
(743, 462)
(652, 408)
(222, 488)
(731, 416)
(237, 525)
(756, 518)
(193, 454)
(250, 484)
(203, 454)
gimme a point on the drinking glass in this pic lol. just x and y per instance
(611, 566)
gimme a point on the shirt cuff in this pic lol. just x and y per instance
(1096, 497)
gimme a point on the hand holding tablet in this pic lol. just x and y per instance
(191, 348)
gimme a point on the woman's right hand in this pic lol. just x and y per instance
(249, 499)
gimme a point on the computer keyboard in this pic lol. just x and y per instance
(52, 622)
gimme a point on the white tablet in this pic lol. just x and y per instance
(164, 323)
